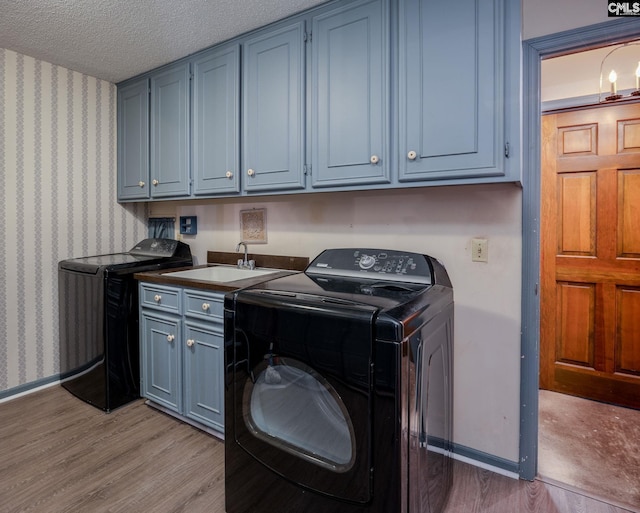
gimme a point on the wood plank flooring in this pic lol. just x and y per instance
(58, 454)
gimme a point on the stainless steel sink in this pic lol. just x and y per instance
(221, 273)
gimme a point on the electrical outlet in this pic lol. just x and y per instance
(479, 250)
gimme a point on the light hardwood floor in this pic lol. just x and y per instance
(58, 454)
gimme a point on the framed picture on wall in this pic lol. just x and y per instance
(253, 226)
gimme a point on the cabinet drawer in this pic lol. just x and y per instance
(161, 298)
(203, 305)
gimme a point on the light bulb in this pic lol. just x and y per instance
(613, 76)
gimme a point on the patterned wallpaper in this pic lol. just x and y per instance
(57, 201)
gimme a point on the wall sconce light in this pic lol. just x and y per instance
(623, 84)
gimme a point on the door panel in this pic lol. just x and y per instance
(273, 109)
(162, 378)
(216, 121)
(576, 304)
(628, 336)
(133, 141)
(170, 132)
(590, 268)
(350, 95)
(577, 211)
(629, 213)
(448, 127)
(203, 366)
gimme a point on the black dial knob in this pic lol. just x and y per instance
(367, 261)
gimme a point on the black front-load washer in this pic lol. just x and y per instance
(98, 320)
(339, 387)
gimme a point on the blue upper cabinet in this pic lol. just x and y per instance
(273, 104)
(170, 132)
(133, 141)
(452, 79)
(350, 95)
(216, 121)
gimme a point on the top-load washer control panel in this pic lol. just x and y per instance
(375, 264)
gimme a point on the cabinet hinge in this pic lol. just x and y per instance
(307, 37)
(506, 149)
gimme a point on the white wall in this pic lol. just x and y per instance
(543, 17)
(439, 221)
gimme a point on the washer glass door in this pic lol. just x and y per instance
(294, 408)
(302, 391)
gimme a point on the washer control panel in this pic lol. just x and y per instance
(155, 247)
(373, 264)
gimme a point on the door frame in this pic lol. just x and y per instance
(533, 51)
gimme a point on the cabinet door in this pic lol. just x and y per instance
(170, 132)
(273, 110)
(204, 374)
(451, 102)
(350, 95)
(161, 371)
(133, 141)
(215, 114)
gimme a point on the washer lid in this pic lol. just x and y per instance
(92, 264)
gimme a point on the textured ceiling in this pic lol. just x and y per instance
(117, 39)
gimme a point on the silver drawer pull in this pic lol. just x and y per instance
(155, 182)
(190, 342)
(412, 155)
(171, 338)
(205, 306)
(141, 184)
(374, 159)
(229, 174)
(251, 172)
(157, 298)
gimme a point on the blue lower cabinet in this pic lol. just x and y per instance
(182, 363)
(161, 359)
(203, 367)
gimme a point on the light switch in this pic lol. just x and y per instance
(479, 250)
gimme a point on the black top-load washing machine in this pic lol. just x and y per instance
(98, 320)
(339, 387)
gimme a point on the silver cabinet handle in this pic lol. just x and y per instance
(229, 174)
(141, 184)
(412, 155)
(171, 338)
(157, 298)
(374, 159)
(155, 182)
(205, 307)
(251, 172)
(190, 342)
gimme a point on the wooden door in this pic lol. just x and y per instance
(590, 248)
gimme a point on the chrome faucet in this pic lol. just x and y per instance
(246, 263)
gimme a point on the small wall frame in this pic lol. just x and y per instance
(253, 226)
